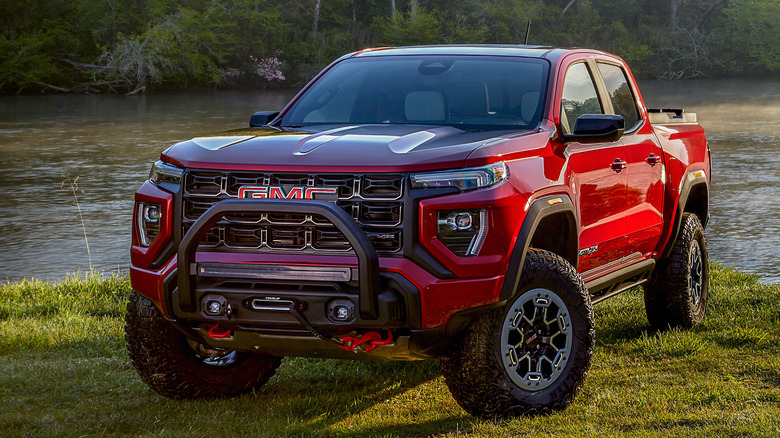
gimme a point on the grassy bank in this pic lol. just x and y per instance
(64, 372)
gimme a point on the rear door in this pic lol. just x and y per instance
(645, 167)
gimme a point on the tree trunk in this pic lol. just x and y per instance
(316, 16)
(392, 10)
(675, 17)
(413, 5)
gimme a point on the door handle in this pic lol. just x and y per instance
(653, 159)
(619, 165)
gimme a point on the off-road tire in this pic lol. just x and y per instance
(169, 365)
(676, 294)
(476, 373)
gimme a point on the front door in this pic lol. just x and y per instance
(598, 185)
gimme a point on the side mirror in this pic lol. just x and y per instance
(262, 118)
(597, 128)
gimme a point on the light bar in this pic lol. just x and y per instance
(252, 271)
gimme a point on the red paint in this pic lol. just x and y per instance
(139, 255)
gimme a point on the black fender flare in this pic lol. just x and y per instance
(692, 179)
(540, 209)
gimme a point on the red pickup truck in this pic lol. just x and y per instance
(467, 203)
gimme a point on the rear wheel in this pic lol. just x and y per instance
(181, 368)
(531, 356)
(677, 292)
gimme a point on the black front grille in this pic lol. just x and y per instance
(375, 202)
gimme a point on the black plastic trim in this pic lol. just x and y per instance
(169, 284)
(412, 248)
(411, 295)
(540, 209)
(169, 250)
(368, 262)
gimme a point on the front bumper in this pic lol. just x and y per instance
(381, 293)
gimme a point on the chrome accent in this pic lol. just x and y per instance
(272, 305)
(479, 239)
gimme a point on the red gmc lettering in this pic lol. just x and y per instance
(254, 192)
(277, 192)
(311, 191)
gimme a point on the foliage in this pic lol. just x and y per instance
(81, 45)
(64, 372)
(752, 27)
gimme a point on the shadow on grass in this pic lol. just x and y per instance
(317, 395)
(433, 427)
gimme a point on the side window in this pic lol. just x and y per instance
(579, 96)
(622, 98)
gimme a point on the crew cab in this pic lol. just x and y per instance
(467, 203)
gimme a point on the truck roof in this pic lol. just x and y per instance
(474, 49)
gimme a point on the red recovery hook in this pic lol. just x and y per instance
(373, 339)
(221, 334)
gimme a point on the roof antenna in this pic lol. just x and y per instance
(527, 31)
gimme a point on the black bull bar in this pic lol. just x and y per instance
(368, 262)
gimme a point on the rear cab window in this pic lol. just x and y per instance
(623, 100)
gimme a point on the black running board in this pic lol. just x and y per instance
(620, 281)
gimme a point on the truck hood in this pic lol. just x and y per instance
(389, 148)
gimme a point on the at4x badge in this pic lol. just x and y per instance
(289, 192)
(589, 250)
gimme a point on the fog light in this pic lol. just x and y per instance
(341, 313)
(216, 306)
(341, 310)
(462, 231)
(213, 308)
(148, 216)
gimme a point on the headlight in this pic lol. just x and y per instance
(165, 173)
(463, 179)
(147, 218)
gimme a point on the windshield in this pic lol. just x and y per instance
(469, 92)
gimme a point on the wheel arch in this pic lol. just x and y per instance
(694, 198)
(550, 225)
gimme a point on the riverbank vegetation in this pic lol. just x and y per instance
(64, 372)
(122, 46)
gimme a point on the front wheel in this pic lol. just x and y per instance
(180, 368)
(531, 356)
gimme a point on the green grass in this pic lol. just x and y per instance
(64, 372)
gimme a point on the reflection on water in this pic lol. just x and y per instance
(741, 118)
(109, 142)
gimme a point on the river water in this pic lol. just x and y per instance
(109, 142)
